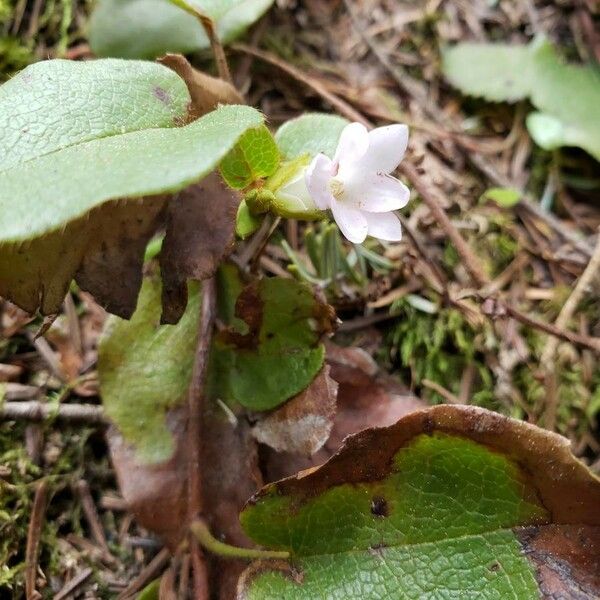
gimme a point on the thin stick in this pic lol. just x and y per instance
(34, 533)
(41, 411)
(147, 574)
(340, 105)
(566, 312)
(91, 514)
(471, 262)
(447, 395)
(73, 584)
(200, 529)
(564, 334)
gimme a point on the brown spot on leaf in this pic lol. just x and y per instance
(379, 507)
(162, 95)
(566, 559)
(248, 308)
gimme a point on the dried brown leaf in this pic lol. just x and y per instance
(200, 233)
(205, 91)
(303, 424)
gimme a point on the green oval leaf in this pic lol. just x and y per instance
(450, 502)
(310, 134)
(271, 350)
(151, 28)
(78, 137)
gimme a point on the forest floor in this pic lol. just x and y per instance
(411, 306)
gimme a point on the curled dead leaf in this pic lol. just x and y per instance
(205, 91)
(303, 424)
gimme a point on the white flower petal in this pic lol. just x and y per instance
(375, 193)
(385, 226)
(295, 194)
(387, 146)
(352, 222)
(353, 144)
(317, 177)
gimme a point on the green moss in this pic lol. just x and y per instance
(439, 347)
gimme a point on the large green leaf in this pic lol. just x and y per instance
(79, 137)
(150, 28)
(451, 502)
(271, 350)
(567, 96)
(145, 369)
(310, 134)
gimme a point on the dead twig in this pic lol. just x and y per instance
(340, 105)
(471, 262)
(34, 533)
(19, 391)
(569, 307)
(73, 584)
(91, 514)
(447, 395)
(151, 571)
(41, 411)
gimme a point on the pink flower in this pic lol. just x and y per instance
(357, 186)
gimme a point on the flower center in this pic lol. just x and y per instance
(337, 188)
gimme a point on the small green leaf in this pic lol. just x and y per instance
(546, 130)
(254, 157)
(246, 223)
(145, 370)
(310, 134)
(271, 350)
(567, 96)
(497, 72)
(151, 591)
(504, 197)
(151, 28)
(88, 153)
(450, 502)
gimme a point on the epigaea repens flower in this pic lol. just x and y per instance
(357, 185)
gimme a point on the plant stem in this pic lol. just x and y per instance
(196, 395)
(209, 27)
(194, 440)
(200, 529)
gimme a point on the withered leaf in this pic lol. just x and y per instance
(200, 233)
(303, 424)
(365, 398)
(205, 91)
